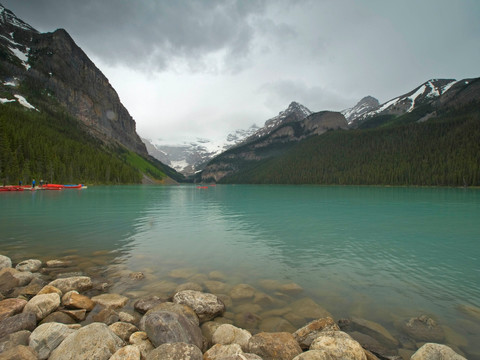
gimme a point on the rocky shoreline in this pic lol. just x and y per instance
(47, 313)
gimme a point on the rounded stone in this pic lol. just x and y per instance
(31, 265)
(43, 305)
(206, 306)
(176, 351)
(94, 341)
(110, 300)
(46, 337)
(431, 351)
(274, 346)
(338, 345)
(9, 307)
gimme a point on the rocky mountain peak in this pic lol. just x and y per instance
(368, 103)
(10, 22)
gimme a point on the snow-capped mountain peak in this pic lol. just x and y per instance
(9, 18)
(365, 105)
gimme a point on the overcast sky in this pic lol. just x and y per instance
(186, 69)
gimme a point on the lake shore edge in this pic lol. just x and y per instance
(45, 313)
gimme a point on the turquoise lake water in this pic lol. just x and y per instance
(380, 253)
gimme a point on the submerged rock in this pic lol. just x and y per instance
(431, 351)
(370, 328)
(424, 328)
(242, 292)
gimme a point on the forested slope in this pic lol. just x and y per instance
(443, 151)
(53, 146)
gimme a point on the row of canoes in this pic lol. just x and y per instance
(41, 187)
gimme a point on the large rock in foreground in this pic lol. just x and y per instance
(206, 306)
(168, 327)
(45, 338)
(94, 341)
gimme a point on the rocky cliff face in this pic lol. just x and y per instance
(272, 144)
(53, 63)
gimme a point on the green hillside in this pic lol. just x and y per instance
(443, 151)
(53, 146)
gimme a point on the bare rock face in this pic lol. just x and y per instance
(338, 345)
(94, 341)
(274, 346)
(206, 306)
(431, 351)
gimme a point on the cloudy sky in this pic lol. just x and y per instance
(203, 68)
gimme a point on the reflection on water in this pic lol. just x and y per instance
(379, 253)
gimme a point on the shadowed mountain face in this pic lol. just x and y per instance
(49, 67)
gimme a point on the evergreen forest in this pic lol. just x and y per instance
(54, 147)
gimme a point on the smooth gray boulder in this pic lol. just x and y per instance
(43, 305)
(78, 283)
(169, 327)
(46, 337)
(31, 265)
(5, 262)
(94, 341)
(338, 345)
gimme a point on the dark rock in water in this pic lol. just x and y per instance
(169, 327)
(274, 346)
(370, 328)
(23, 321)
(424, 328)
(145, 304)
(176, 351)
(372, 345)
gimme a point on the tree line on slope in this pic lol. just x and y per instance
(444, 151)
(54, 147)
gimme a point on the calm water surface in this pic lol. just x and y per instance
(384, 254)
